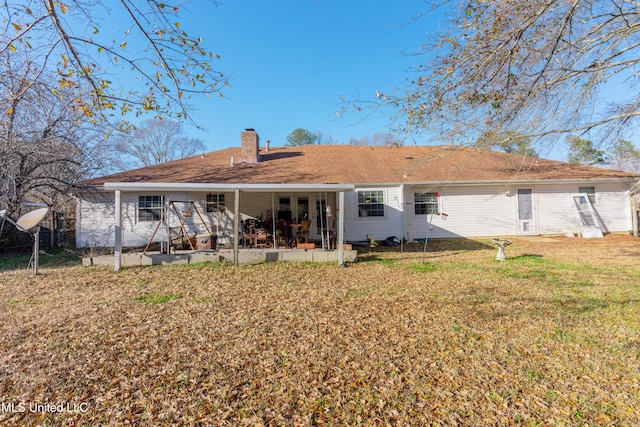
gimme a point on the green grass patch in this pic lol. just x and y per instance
(28, 301)
(529, 267)
(534, 274)
(56, 257)
(156, 298)
(199, 264)
(425, 267)
(10, 261)
(352, 293)
(19, 305)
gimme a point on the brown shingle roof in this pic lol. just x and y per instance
(319, 164)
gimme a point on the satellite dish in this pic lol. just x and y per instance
(29, 220)
(25, 223)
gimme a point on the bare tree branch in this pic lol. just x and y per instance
(46, 142)
(155, 141)
(542, 69)
(66, 37)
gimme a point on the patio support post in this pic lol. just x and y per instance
(117, 253)
(236, 226)
(36, 250)
(341, 228)
(273, 220)
(634, 213)
(403, 222)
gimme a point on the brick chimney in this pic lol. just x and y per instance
(250, 146)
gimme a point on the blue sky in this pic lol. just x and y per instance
(290, 61)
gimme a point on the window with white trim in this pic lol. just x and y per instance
(590, 192)
(150, 208)
(426, 204)
(214, 202)
(370, 203)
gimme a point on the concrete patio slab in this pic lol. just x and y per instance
(245, 256)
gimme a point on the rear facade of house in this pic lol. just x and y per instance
(410, 192)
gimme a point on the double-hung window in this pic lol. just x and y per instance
(370, 203)
(214, 202)
(426, 204)
(150, 208)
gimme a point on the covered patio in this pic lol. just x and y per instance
(237, 254)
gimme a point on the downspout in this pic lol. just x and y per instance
(634, 213)
(273, 220)
(402, 221)
(165, 247)
(78, 223)
(117, 253)
(53, 226)
(340, 209)
(236, 224)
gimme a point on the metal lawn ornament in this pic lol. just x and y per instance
(424, 251)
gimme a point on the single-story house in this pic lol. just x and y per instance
(410, 192)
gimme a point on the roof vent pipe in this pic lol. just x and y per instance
(267, 145)
(232, 163)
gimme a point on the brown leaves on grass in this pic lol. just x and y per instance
(548, 337)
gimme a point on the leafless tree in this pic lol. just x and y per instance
(324, 138)
(386, 139)
(624, 156)
(383, 139)
(509, 142)
(47, 145)
(155, 141)
(542, 68)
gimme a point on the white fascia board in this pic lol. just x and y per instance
(497, 182)
(175, 186)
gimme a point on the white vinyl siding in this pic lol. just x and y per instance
(356, 227)
(481, 211)
(557, 213)
(256, 204)
(465, 212)
(95, 223)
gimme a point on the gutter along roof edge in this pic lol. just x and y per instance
(168, 186)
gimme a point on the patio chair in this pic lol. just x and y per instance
(303, 233)
(248, 232)
(261, 238)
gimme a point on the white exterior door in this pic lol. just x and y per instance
(525, 211)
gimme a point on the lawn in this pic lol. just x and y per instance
(548, 337)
